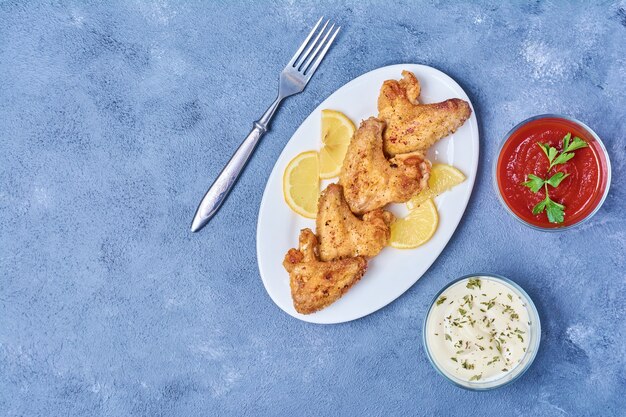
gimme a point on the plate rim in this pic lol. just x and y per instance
(474, 166)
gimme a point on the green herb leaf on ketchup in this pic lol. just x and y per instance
(554, 210)
(549, 151)
(556, 179)
(576, 144)
(534, 183)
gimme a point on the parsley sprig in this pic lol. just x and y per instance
(569, 146)
(554, 210)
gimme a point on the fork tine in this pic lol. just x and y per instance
(310, 71)
(304, 56)
(314, 54)
(304, 44)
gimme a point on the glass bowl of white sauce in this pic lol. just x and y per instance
(482, 331)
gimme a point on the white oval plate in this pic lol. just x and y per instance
(393, 271)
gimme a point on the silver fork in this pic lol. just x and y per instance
(293, 78)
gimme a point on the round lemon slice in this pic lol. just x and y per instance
(416, 228)
(301, 184)
(337, 130)
(442, 178)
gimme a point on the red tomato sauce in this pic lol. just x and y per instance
(580, 192)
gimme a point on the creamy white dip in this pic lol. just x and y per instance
(478, 329)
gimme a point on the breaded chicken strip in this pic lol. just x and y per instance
(342, 234)
(316, 284)
(412, 126)
(371, 181)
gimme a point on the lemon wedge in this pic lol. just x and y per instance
(301, 184)
(416, 228)
(337, 130)
(442, 178)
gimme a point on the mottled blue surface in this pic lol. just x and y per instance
(115, 118)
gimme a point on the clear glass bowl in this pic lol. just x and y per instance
(606, 174)
(514, 373)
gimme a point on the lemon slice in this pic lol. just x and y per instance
(301, 184)
(442, 178)
(337, 130)
(416, 228)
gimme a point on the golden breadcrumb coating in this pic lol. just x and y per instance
(412, 126)
(342, 234)
(370, 180)
(316, 284)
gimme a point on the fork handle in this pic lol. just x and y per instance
(219, 190)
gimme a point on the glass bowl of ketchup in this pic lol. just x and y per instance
(586, 175)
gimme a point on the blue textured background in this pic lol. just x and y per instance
(115, 118)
